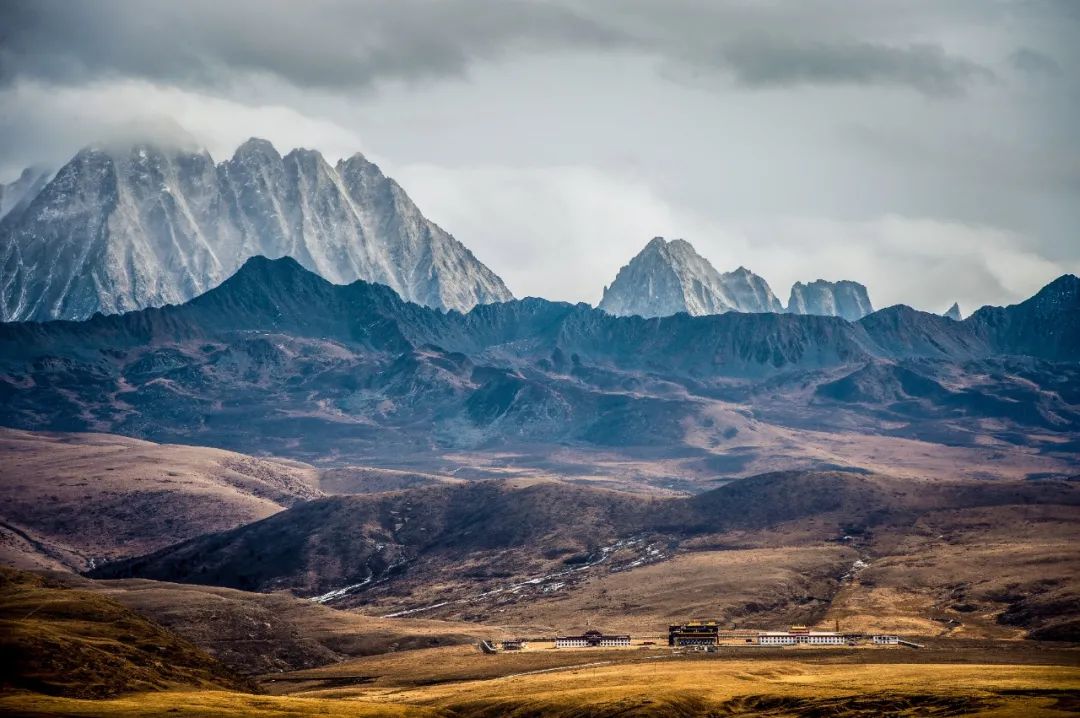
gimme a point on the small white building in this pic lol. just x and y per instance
(591, 639)
(570, 642)
(791, 638)
(884, 640)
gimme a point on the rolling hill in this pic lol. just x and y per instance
(73, 500)
(64, 642)
(528, 553)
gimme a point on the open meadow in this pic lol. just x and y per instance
(462, 683)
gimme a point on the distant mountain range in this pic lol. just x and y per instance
(670, 277)
(278, 359)
(121, 228)
(118, 229)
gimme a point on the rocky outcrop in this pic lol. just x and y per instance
(845, 299)
(666, 278)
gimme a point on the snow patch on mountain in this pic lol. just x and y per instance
(126, 228)
(846, 299)
(668, 277)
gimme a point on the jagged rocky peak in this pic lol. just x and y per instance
(257, 148)
(953, 312)
(156, 222)
(665, 278)
(750, 293)
(846, 299)
(668, 277)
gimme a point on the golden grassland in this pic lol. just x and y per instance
(720, 584)
(782, 687)
(821, 682)
(79, 644)
(78, 653)
(663, 687)
(203, 703)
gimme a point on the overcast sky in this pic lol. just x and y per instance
(926, 149)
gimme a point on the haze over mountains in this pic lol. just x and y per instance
(668, 277)
(122, 228)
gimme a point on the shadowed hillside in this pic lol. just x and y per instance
(65, 642)
(516, 548)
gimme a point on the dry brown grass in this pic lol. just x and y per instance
(957, 572)
(263, 633)
(85, 644)
(759, 447)
(61, 641)
(785, 584)
(68, 498)
(203, 704)
(759, 688)
(650, 688)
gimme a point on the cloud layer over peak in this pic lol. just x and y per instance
(580, 128)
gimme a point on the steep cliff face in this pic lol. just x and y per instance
(123, 229)
(845, 299)
(670, 277)
(749, 293)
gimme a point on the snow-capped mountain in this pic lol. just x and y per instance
(846, 299)
(148, 225)
(670, 277)
(749, 293)
(953, 312)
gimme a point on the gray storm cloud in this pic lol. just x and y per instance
(322, 44)
(356, 44)
(823, 139)
(924, 67)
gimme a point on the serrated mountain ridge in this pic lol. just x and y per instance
(277, 352)
(123, 229)
(668, 277)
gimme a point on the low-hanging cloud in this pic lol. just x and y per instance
(922, 66)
